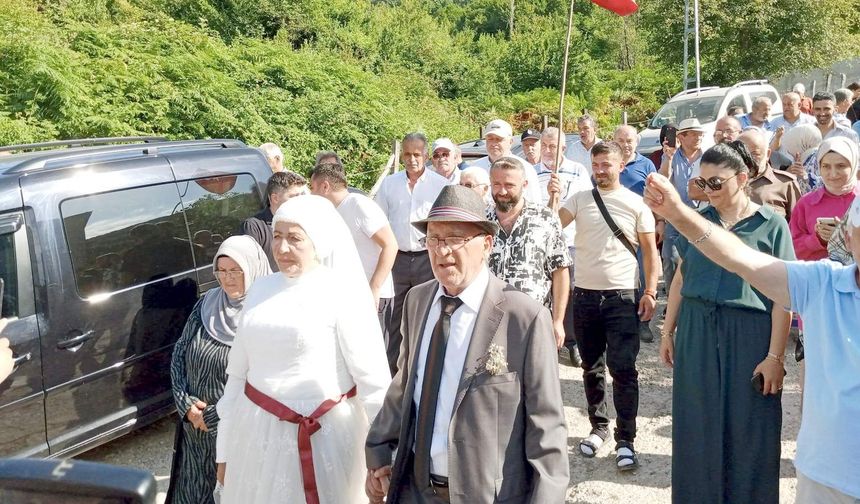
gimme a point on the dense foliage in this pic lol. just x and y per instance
(355, 74)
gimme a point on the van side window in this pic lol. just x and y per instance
(125, 238)
(737, 101)
(9, 274)
(215, 207)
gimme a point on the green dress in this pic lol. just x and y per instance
(725, 435)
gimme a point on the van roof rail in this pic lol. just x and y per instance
(696, 90)
(39, 159)
(753, 82)
(82, 142)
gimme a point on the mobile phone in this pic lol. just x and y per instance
(827, 221)
(758, 382)
(668, 133)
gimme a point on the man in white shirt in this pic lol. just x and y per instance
(446, 158)
(606, 313)
(405, 197)
(791, 118)
(572, 178)
(374, 239)
(499, 138)
(530, 141)
(580, 152)
(824, 109)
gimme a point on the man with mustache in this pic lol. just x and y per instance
(529, 250)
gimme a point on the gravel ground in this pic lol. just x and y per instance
(592, 480)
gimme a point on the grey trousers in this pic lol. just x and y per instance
(812, 492)
(410, 269)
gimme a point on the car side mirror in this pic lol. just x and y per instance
(34, 481)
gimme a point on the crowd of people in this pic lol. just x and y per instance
(406, 348)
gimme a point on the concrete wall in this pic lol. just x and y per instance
(850, 68)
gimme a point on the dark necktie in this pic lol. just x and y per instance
(430, 390)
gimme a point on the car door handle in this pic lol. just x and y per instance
(17, 361)
(71, 343)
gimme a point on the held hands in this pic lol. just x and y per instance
(195, 416)
(377, 483)
(553, 186)
(773, 373)
(662, 198)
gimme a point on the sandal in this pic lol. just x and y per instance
(626, 459)
(589, 446)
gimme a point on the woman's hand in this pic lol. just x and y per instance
(195, 416)
(797, 169)
(773, 373)
(825, 231)
(220, 471)
(667, 351)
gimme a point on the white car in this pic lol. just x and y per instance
(707, 104)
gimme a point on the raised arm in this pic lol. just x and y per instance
(764, 272)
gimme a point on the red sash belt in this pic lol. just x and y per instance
(308, 425)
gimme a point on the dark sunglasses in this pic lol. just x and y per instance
(715, 183)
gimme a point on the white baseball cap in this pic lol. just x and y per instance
(443, 143)
(498, 128)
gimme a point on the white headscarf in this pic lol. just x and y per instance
(220, 312)
(845, 148)
(331, 237)
(803, 139)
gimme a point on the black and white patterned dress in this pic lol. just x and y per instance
(198, 372)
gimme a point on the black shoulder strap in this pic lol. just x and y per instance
(608, 218)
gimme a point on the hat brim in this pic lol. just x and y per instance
(490, 227)
(697, 128)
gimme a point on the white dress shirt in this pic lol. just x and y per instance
(532, 191)
(579, 154)
(459, 336)
(403, 206)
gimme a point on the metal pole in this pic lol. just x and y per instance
(511, 21)
(623, 117)
(554, 198)
(696, 23)
(686, 43)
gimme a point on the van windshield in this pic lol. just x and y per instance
(705, 109)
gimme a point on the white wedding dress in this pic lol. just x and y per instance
(301, 341)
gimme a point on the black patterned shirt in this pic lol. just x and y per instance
(535, 248)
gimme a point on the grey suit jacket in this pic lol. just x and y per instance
(507, 441)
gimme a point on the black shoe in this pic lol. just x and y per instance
(575, 358)
(645, 333)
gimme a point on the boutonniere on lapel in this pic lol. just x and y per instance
(494, 362)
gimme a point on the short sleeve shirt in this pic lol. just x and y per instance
(573, 178)
(827, 297)
(535, 248)
(364, 219)
(764, 231)
(602, 262)
(403, 206)
(635, 172)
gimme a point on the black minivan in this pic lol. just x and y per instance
(105, 246)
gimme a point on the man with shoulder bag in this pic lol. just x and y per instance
(612, 222)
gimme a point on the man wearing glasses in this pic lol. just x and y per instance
(445, 157)
(529, 250)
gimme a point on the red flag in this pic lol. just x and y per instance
(620, 7)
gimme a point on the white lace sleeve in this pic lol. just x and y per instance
(237, 370)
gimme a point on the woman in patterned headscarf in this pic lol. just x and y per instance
(198, 369)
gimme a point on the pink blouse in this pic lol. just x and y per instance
(810, 207)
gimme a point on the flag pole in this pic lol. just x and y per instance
(554, 198)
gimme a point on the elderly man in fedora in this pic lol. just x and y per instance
(476, 353)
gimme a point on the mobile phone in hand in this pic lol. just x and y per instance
(668, 133)
(827, 221)
(758, 382)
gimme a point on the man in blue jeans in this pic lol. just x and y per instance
(606, 312)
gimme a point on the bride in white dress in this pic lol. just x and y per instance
(308, 335)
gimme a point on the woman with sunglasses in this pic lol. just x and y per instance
(725, 430)
(198, 369)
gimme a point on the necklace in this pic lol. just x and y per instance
(728, 224)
